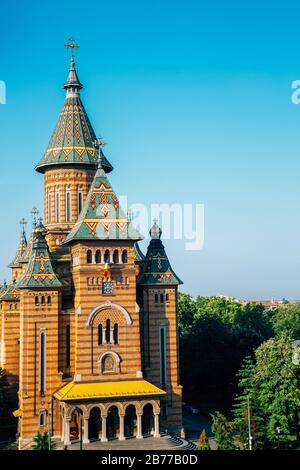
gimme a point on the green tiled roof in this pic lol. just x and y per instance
(10, 292)
(16, 262)
(102, 218)
(39, 270)
(139, 255)
(156, 268)
(72, 141)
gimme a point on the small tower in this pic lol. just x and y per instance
(158, 285)
(16, 264)
(39, 309)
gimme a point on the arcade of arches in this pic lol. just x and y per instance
(106, 421)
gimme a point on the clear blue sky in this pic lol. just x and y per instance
(194, 100)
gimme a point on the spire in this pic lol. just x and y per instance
(26, 256)
(72, 141)
(39, 271)
(102, 218)
(156, 268)
(16, 262)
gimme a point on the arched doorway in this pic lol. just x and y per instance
(130, 421)
(147, 420)
(94, 424)
(75, 423)
(112, 422)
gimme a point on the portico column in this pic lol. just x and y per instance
(156, 425)
(121, 433)
(111, 338)
(103, 437)
(62, 429)
(67, 441)
(86, 430)
(139, 434)
(103, 335)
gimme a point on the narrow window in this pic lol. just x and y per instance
(116, 256)
(36, 300)
(68, 206)
(116, 333)
(161, 298)
(68, 346)
(163, 356)
(49, 208)
(98, 256)
(42, 418)
(99, 334)
(57, 207)
(89, 257)
(124, 256)
(43, 300)
(167, 297)
(79, 202)
(42, 362)
(107, 331)
(10, 307)
(106, 256)
(156, 298)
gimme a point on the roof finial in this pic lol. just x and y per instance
(34, 214)
(155, 231)
(23, 224)
(72, 45)
(99, 143)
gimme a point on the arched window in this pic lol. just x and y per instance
(116, 333)
(167, 297)
(99, 334)
(156, 298)
(89, 256)
(161, 298)
(124, 256)
(106, 256)
(10, 307)
(107, 331)
(49, 299)
(36, 300)
(43, 300)
(116, 256)
(68, 344)
(42, 362)
(49, 208)
(68, 206)
(98, 256)
(42, 418)
(57, 209)
(79, 202)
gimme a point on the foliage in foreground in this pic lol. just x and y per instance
(40, 442)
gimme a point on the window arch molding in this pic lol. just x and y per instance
(106, 305)
(116, 358)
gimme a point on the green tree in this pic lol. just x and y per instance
(223, 431)
(286, 319)
(40, 442)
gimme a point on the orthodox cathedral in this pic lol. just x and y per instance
(88, 323)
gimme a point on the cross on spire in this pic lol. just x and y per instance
(23, 224)
(34, 214)
(99, 142)
(72, 45)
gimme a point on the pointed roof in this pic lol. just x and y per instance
(72, 142)
(10, 292)
(139, 255)
(156, 268)
(39, 270)
(102, 218)
(16, 262)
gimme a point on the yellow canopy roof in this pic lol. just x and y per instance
(126, 388)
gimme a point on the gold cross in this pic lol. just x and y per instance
(72, 45)
(34, 214)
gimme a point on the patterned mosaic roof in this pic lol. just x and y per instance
(72, 141)
(10, 292)
(139, 255)
(102, 217)
(156, 268)
(27, 252)
(39, 270)
(16, 262)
